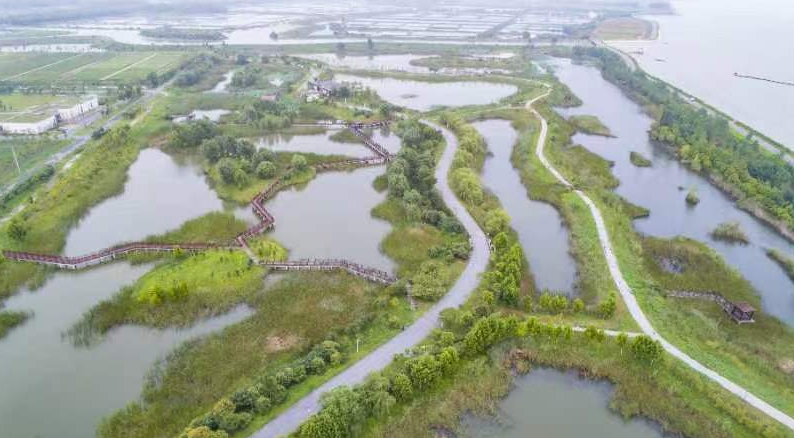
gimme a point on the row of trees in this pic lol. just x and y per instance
(234, 413)
(705, 141)
(345, 410)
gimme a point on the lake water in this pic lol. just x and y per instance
(213, 115)
(656, 188)
(540, 229)
(50, 388)
(549, 403)
(330, 218)
(317, 144)
(221, 86)
(160, 195)
(424, 96)
(701, 47)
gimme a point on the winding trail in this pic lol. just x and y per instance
(628, 295)
(289, 420)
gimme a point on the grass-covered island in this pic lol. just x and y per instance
(639, 160)
(590, 125)
(183, 33)
(730, 232)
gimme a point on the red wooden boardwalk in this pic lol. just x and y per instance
(266, 222)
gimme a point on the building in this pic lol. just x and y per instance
(88, 105)
(325, 88)
(29, 128)
(741, 312)
(42, 120)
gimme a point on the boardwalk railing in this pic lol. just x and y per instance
(266, 222)
(371, 274)
(105, 255)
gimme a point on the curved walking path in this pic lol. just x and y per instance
(628, 294)
(289, 420)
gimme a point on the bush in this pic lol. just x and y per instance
(266, 170)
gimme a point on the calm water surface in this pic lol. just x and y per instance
(160, 195)
(318, 144)
(42, 371)
(540, 229)
(424, 96)
(656, 188)
(378, 63)
(330, 218)
(549, 403)
(708, 40)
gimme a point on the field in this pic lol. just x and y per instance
(29, 153)
(626, 28)
(86, 67)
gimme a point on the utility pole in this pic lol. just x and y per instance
(357, 339)
(14, 153)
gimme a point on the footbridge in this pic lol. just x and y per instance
(266, 222)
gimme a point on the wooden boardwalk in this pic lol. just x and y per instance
(266, 222)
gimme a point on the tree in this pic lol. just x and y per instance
(206, 432)
(448, 359)
(273, 35)
(578, 305)
(608, 306)
(646, 349)
(423, 371)
(266, 169)
(622, 339)
(401, 387)
(17, 229)
(299, 162)
(497, 221)
(152, 79)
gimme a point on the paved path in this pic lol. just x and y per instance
(631, 301)
(292, 418)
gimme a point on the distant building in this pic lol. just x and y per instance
(29, 128)
(50, 119)
(325, 88)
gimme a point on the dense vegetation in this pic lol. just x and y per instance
(730, 232)
(196, 69)
(639, 160)
(10, 319)
(590, 125)
(706, 142)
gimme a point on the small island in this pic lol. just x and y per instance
(730, 232)
(692, 198)
(590, 125)
(639, 160)
(186, 34)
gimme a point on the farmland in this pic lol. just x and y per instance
(92, 67)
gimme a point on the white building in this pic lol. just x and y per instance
(59, 115)
(75, 112)
(29, 128)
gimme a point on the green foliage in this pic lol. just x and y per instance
(10, 319)
(431, 282)
(692, 197)
(730, 232)
(507, 269)
(192, 134)
(497, 221)
(554, 303)
(646, 349)
(401, 387)
(467, 185)
(488, 331)
(17, 229)
(607, 307)
(638, 160)
(299, 162)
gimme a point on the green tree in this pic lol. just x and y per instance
(622, 340)
(608, 306)
(401, 387)
(299, 162)
(17, 229)
(266, 170)
(424, 371)
(496, 221)
(577, 306)
(646, 349)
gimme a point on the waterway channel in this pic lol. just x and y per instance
(550, 403)
(657, 188)
(540, 229)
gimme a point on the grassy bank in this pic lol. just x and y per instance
(10, 319)
(177, 293)
(590, 125)
(295, 313)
